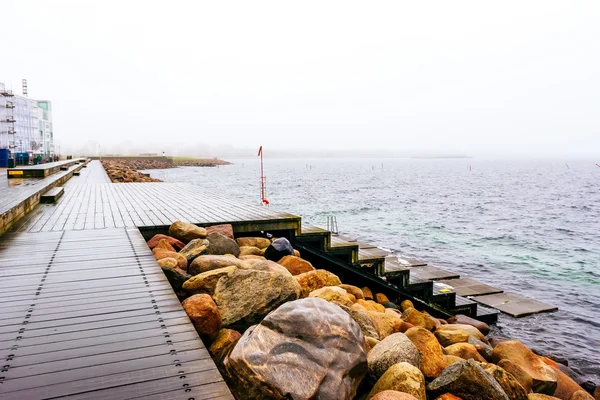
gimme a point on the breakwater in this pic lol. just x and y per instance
(257, 296)
(525, 226)
(86, 211)
(126, 169)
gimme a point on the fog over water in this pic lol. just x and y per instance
(221, 78)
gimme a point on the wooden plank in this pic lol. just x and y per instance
(406, 261)
(514, 304)
(469, 287)
(432, 273)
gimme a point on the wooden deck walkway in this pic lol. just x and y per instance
(90, 315)
(19, 196)
(41, 170)
(91, 203)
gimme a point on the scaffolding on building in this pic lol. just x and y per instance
(7, 119)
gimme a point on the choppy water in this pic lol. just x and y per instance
(532, 227)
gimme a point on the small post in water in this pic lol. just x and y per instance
(263, 182)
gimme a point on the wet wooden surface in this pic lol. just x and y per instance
(90, 202)
(432, 273)
(41, 170)
(514, 304)
(15, 191)
(90, 315)
(469, 287)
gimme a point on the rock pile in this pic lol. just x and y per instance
(119, 171)
(124, 170)
(278, 327)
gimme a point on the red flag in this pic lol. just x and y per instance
(260, 151)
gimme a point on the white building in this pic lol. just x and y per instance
(25, 124)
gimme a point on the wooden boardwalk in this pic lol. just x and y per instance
(19, 196)
(41, 170)
(90, 203)
(90, 315)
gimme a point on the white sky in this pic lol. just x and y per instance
(477, 77)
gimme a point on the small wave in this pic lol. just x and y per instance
(565, 230)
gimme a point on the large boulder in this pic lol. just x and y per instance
(539, 396)
(581, 395)
(185, 231)
(393, 395)
(484, 349)
(204, 314)
(363, 320)
(367, 293)
(386, 324)
(469, 329)
(431, 323)
(406, 304)
(306, 349)
(370, 305)
(222, 345)
(432, 355)
(332, 293)
(381, 298)
(544, 379)
(401, 377)
(261, 243)
(194, 248)
(246, 296)
(223, 229)
(176, 276)
(565, 386)
(391, 350)
(280, 248)
(250, 251)
(206, 282)
(167, 262)
(394, 306)
(447, 396)
(163, 244)
(313, 280)
(509, 383)
(465, 351)
(353, 290)
(252, 257)
(208, 263)
(452, 359)
(518, 373)
(465, 320)
(177, 244)
(296, 265)
(449, 337)
(468, 381)
(332, 279)
(221, 245)
(159, 254)
(415, 317)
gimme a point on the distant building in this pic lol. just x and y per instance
(25, 124)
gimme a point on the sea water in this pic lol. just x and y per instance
(530, 227)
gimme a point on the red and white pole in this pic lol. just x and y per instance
(263, 182)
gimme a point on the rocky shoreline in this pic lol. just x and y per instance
(279, 328)
(119, 171)
(123, 170)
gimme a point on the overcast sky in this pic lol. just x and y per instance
(475, 77)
